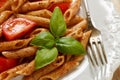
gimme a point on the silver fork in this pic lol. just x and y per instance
(96, 53)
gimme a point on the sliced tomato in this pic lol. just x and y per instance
(6, 63)
(63, 6)
(2, 2)
(17, 27)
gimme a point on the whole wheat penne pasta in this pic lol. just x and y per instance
(28, 69)
(78, 58)
(61, 71)
(74, 21)
(43, 22)
(85, 38)
(16, 4)
(31, 6)
(82, 25)
(77, 34)
(35, 32)
(84, 42)
(72, 11)
(5, 15)
(20, 53)
(77, 30)
(41, 13)
(9, 74)
(37, 74)
(12, 45)
(6, 6)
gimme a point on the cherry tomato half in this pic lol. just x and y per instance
(6, 63)
(16, 28)
(63, 6)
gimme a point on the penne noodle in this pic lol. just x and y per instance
(37, 74)
(35, 32)
(32, 6)
(77, 30)
(74, 21)
(12, 45)
(21, 53)
(41, 13)
(16, 4)
(84, 42)
(78, 58)
(85, 38)
(72, 11)
(77, 34)
(61, 71)
(82, 25)
(43, 22)
(4, 16)
(28, 69)
(6, 6)
(9, 74)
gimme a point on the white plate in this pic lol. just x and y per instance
(108, 22)
(73, 74)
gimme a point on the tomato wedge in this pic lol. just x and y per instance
(6, 64)
(2, 2)
(17, 27)
(63, 6)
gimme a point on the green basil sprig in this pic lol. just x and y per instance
(45, 57)
(57, 23)
(44, 39)
(69, 45)
(52, 42)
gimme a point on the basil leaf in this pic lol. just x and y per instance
(45, 57)
(57, 23)
(44, 39)
(68, 45)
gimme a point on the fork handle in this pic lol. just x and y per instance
(87, 9)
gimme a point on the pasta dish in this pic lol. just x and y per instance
(41, 39)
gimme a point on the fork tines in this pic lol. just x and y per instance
(96, 51)
(97, 57)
